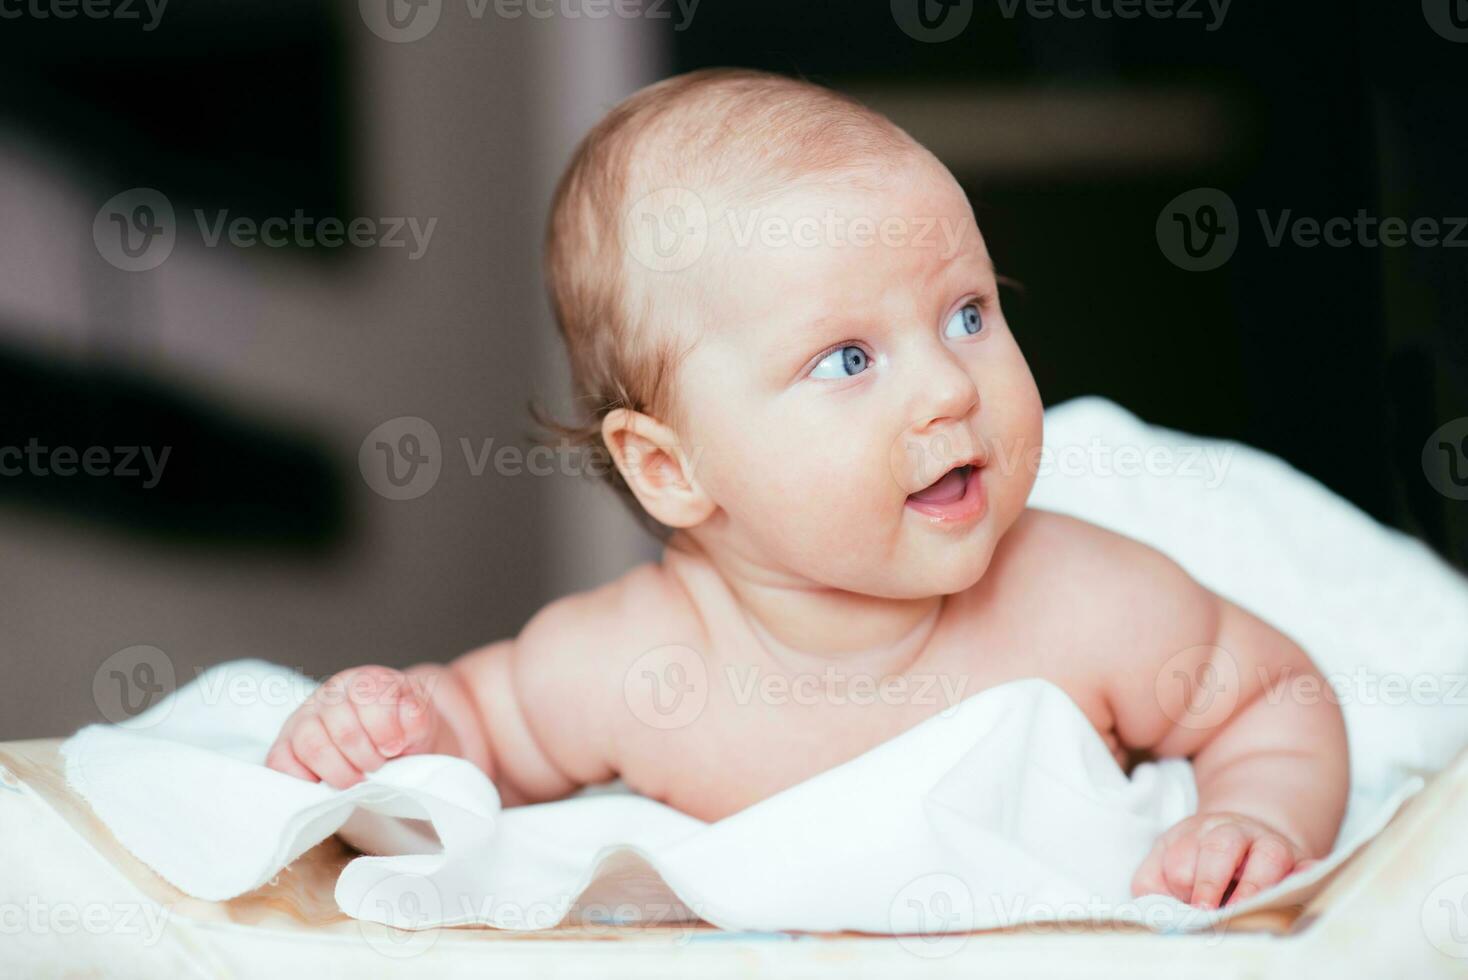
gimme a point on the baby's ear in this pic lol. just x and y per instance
(657, 467)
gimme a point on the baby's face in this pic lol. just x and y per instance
(850, 351)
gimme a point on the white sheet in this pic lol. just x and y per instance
(1005, 810)
(1376, 609)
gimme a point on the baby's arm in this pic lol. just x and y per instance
(530, 711)
(1222, 687)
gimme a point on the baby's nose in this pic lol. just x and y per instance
(946, 393)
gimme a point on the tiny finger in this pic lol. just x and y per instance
(377, 709)
(1148, 879)
(313, 746)
(1219, 854)
(282, 759)
(351, 738)
(1179, 865)
(1269, 860)
(416, 717)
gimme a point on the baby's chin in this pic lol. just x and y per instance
(953, 566)
(921, 569)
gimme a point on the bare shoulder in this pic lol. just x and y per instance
(1097, 563)
(1048, 531)
(1098, 601)
(603, 629)
(552, 698)
(574, 656)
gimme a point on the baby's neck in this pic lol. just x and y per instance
(803, 624)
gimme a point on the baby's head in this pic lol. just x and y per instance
(783, 323)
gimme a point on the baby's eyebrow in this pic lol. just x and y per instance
(801, 337)
(804, 333)
(808, 332)
(982, 260)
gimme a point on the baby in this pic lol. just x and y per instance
(782, 314)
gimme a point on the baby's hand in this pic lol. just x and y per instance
(1198, 857)
(352, 724)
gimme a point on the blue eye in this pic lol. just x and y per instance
(844, 363)
(965, 322)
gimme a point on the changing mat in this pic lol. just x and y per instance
(1005, 809)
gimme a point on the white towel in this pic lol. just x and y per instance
(1384, 618)
(1006, 809)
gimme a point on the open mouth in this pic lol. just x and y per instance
(956, 495)
(946, 489)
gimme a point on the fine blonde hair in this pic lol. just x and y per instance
(738, 131)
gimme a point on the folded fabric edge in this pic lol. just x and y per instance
(79, 780)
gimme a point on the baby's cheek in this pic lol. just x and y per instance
(1015, 430)
(837, 526)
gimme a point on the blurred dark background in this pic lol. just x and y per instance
(265, 370)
